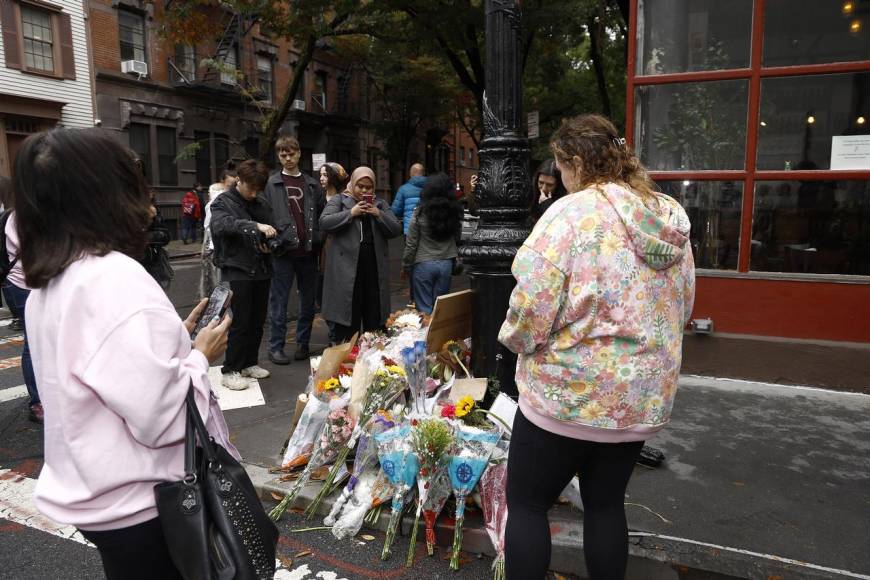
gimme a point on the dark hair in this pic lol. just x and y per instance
(253, 173)
(333, 178)
(6, 192)
(438, 204)
(548, 167)
(287, 143)
(78, 192)
(604, 156)
(226, 173)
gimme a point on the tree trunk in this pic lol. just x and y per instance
(597, 65)
(279, 115)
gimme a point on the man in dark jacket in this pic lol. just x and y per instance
(297, 202)
(241, 225)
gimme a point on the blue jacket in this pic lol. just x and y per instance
(407, 199)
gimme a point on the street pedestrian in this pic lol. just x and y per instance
(241, 226)
(208, 278)
(356, 292)
(113, 360)
(605, 285)
(548, 187)
(155, 260)
(16, 292)
(297, 202)
(430, 246)
(190, 213)
(404, 202)
(333, 179)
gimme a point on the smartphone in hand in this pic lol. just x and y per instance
(217, 306)
(369, 198)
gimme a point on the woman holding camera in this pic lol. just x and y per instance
(113, 360)
(241, 225)
(357, 283)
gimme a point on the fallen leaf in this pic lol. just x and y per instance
(739, 483)
(367, 537)
(286, 562)
(559, 576)
(303, 553)
(276, 496)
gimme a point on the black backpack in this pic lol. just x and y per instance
(6, 264)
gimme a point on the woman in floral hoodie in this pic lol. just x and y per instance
(605, 285)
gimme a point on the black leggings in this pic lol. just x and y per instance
(135, 553)
(540, 465)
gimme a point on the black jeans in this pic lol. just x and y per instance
(135, 553)
(366, 310)
(249, 306)
(540, 465)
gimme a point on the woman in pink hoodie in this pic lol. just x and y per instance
(605, 285)
(113, 360)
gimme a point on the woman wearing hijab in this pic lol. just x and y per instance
(356, 293)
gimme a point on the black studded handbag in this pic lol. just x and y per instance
(213, 521)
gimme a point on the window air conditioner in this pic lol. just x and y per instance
(299, 104)
(135, 66)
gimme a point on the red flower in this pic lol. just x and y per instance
(448, 411)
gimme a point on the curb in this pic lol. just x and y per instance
(651, 556)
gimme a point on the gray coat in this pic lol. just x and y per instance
(342, 254)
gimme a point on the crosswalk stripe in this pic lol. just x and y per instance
(15, 339)
(13, 393)
(8, 363)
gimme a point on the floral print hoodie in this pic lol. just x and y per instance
(605, 285)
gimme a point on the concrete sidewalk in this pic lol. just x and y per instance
(760, 481)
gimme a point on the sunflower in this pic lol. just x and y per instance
(464, 406)
(396, 370)
(332, 383)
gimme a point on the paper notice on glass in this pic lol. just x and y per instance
(505, 409)
(850, 152)
(318, 160)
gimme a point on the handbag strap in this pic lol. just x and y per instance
(204, 438)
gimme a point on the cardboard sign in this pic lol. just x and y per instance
(451, 320)
(331, 360)
(475, 388)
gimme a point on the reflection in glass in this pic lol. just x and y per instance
(819, 227)
(692, 35)
(800, 115)
(714, 210)
(697, 125)
(815, 32)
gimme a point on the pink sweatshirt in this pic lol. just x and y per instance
(16, 274)
(113, 362)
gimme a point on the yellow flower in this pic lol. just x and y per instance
(332, 383)
(396, 370)
(592, 411)
(464, 406)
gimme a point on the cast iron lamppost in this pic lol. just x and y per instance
(503, 194)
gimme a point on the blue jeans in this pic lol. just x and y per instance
(429, 280)
(304, 270)
(188, 228)
(16, 299)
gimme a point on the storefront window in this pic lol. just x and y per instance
(714, 210)
(815, 32)
(819, 227)
(692, 126)
(801, 117)
(692, 35)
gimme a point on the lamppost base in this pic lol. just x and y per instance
(491, 294)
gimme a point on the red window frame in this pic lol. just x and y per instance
(755, 73)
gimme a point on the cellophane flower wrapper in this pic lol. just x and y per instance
(322, 453)
(366, 457)
(435, 497)
(349, 521)
(400, 465)
(493, 497)
(308, 428)
(466, 466)
(333, 443)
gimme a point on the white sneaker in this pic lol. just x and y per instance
(255, 372)
(235, 382)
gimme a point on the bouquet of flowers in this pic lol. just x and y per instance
(414, 361)
(302, 441)
(467, 462)
(406, 319)
(333, 438)
(493, 496)
(430, 441)
(366, 457)
(388, 382)
(400, 465)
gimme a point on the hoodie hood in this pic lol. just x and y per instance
(659, 234)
